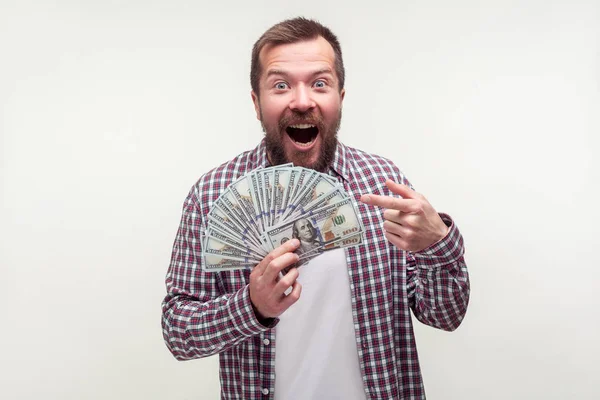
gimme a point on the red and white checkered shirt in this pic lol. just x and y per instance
(207, 313)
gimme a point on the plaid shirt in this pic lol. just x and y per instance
(208, 313)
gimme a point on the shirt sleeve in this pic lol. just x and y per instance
(438, 281)
(198, 319)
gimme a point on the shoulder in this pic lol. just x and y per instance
(210, 185)
(366, 160)
(372, 167)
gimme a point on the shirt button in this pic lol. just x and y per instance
(365, 345)
(424, 281)
(265, 391)
(266, 342)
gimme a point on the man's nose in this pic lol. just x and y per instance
(302, 100)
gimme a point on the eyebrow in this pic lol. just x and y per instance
(280, 72)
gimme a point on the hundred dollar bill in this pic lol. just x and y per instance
(313, 190)
(213, 246)
(226, 219)
(228, 202)
(338, 244)
(256, 202)
(319, 228)
(348, 241)
(267, 189)
(294, 173)
(226, 238)
(262, 190)
(261, 197)
(215, 226)
(240, 189)
(233, 210)
(215, 263)
(335, 195)
(303, 175)
(301, 188)
(281, 180)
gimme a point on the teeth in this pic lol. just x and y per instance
(302, 126)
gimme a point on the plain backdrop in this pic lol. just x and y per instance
(111, 110)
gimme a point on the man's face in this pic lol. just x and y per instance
(304, 231)
(299, 104)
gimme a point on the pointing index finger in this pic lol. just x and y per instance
(387, 202)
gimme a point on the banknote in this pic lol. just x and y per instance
(214, 246)
(281, 179)
(266, 207)
(256, 199)
(317, 229)
(226, 220)
(314, 189)
(348, 241)
(335, 195)
(226, 238)
(215, 263)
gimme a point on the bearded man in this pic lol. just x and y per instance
(348, 334)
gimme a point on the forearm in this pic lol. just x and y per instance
(200, 317)
(438, 282)
(195, 329)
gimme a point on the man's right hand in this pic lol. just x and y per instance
(266, 290)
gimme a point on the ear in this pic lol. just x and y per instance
(342, 94)
(256, 104)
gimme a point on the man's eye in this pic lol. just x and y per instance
(281, 85)
(320, 84)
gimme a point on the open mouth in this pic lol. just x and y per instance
(302, 134)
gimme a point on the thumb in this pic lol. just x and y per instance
(402, 190)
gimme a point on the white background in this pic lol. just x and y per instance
(110, 111)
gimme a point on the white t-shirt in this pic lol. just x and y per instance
(315, 350)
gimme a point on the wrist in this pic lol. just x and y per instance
(265, 321)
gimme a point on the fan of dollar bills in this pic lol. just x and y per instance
(269, 206)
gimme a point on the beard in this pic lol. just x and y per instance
(274, 138)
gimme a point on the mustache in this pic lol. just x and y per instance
(295, 118)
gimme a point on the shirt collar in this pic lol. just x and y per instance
(341, 161)
(340, 165)
(260, 159)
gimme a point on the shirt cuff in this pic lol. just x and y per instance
(244, 319)
(445, 251)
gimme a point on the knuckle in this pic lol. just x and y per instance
(294, 296)
(285, 261)
(277, 264)
(288, 282)
(273, 264)
(419, 206)
(283, 283)
(291, 275)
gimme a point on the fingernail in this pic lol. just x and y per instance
(365, 198)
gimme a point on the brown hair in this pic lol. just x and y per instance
(292, 31)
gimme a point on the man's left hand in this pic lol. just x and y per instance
(411, 223)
